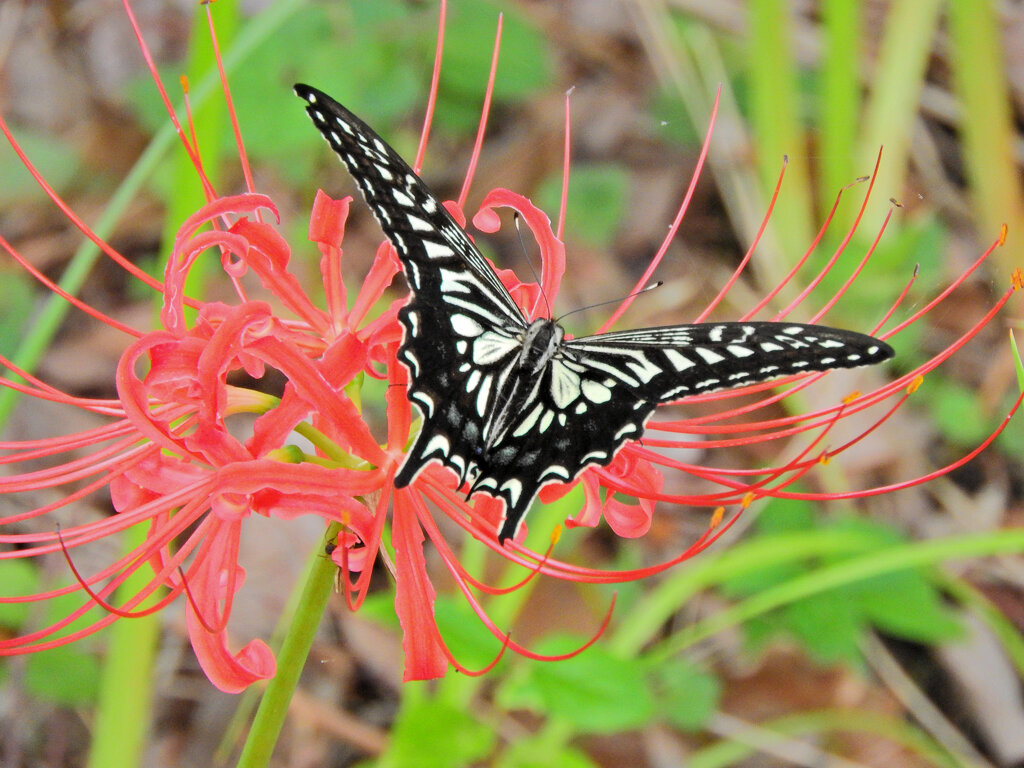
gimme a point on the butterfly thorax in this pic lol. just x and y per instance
(541, 340)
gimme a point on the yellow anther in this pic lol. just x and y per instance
(851, 397)
(747, 500)
(917, 382)
(716, 517)
(556, 534)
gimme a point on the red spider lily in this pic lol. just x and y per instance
(171, 462)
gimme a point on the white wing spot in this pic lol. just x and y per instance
(436, 250)
(483, 396)
(385, 172)
(437, 444)
(709, 356)
(771, 346)
(715, 334)
(402, 199)
(420, 225)
(679, 361)
(739, 351)
(490, 347)
(545, 420)
(464, 325)
(514, 489)
(565, 385)
(527, 424)
(596, 392)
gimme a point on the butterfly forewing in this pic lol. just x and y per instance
(672, 362)
(511, 406)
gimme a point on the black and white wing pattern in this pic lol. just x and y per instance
(510, 405)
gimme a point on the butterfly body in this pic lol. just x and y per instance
(512, 405)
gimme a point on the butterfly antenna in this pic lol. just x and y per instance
(650, 287)
(533, 270)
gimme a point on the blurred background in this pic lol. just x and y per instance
(921, 665)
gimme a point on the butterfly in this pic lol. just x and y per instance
(512, 405)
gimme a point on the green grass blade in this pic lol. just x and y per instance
(892, 106)
(986, 123)
(776, 120)
(839, 97)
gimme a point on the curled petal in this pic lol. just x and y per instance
(552, 251)
(230, 672)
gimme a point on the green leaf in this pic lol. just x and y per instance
(907, 604)
(597, 201)
(65, 675)
(687, 696)
(463, 632)
(537, 753)
(954, 408)
(594, 691)
(829, 628)
(430, 733)
(20, 579)
(54, 160)
(523, 66)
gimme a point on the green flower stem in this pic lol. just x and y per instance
(273, 708)
(126, 687)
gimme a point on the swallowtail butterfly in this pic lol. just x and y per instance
(512, 405)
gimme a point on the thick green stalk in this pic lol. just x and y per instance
(986, 124)
(839, 99)
(776, 121)
(892, 105)
(273, 710)
(126, 687)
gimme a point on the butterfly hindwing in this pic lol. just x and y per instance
(512, 406)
